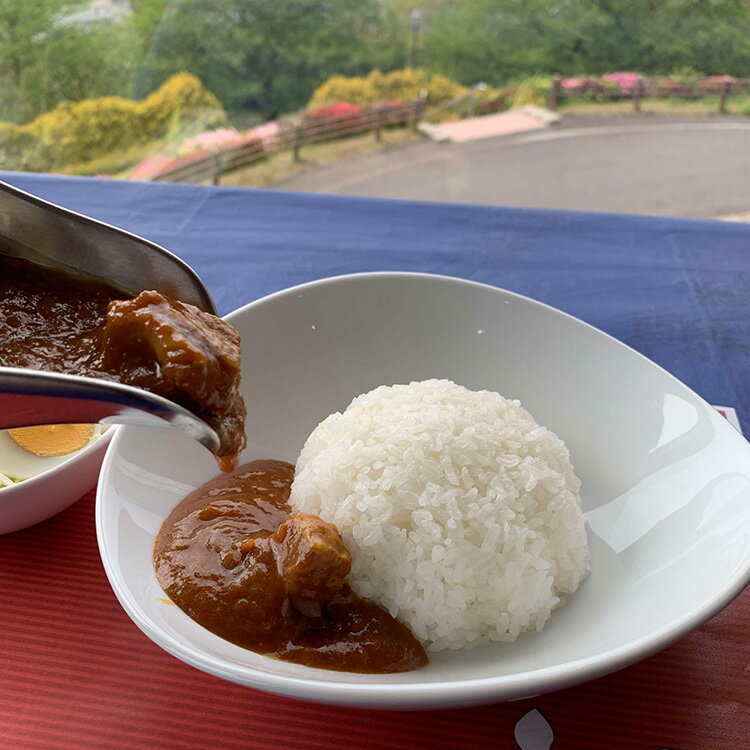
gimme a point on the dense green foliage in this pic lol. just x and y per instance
(533, 90)
(502, 40)
(44, 62)
(268, 56)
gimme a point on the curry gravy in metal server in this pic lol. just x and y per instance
(55, 321)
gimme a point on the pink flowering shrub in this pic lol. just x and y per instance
(338, 109)
(267, 134)
(349, 116)
(151, 166)
(714, 84)
(262, 137)
(572, 85)
(211, 140)
(626, 82)
(156, 164)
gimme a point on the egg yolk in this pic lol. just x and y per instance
(53, 439)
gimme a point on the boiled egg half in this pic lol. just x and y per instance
(28, 451)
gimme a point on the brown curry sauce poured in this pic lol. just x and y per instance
(231, 555)
(234, 557)
(54, 321)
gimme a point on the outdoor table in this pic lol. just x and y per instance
(76, 673)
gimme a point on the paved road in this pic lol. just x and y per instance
(672, 166)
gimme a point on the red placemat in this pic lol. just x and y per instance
(78, 674)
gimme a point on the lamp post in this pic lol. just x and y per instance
(416, 25)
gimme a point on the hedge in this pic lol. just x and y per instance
(533, 90)
(90, 129)
(403, 85)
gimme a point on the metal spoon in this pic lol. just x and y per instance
(56, 237)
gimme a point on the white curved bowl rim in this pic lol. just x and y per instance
(685, 450)
(67, 464)
(42, 496)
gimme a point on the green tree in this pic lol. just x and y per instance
(268, 55)
(44, 61)
(74, 64)
(22, 29)
(147, 15)
(657, 37)
(503, 40)
(494, 40)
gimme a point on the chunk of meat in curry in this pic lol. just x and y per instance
(182, 353)
(234, 557)
(51, 320)
(313, 560)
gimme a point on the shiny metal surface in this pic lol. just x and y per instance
(30, 397)
(53, 236)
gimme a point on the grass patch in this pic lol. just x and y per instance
(116, 163)
(279, 166)
(736, 105)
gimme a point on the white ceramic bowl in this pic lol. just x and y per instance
(46, 494)
(666, 480)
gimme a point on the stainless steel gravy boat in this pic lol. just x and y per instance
(56, 237)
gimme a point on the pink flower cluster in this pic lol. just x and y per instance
(266, 134)
(151, 166)
(626, 82)
(577, 84)
(265, 139)
(714, 84)
(573, 84)
(339, 109)
(207, 143)
(211, 140)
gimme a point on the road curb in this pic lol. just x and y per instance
(433, 132)
(541, 113)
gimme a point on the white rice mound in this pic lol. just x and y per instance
(461, 513)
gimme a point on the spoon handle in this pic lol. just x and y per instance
(31, 397)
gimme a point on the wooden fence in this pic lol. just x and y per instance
(292, 136)
(661, 88)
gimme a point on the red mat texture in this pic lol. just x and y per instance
(75, 673)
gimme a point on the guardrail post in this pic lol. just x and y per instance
(554, 92)
(297, 143)
(378, 125)
(416, 114)
(216, 169)
(637, 95)
(725, 90)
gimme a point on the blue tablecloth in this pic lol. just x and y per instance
(676, 290)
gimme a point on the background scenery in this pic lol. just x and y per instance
(362, 96)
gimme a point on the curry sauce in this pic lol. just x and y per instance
(236, 559)
(51, 320)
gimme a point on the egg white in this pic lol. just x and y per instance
(18, 464)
